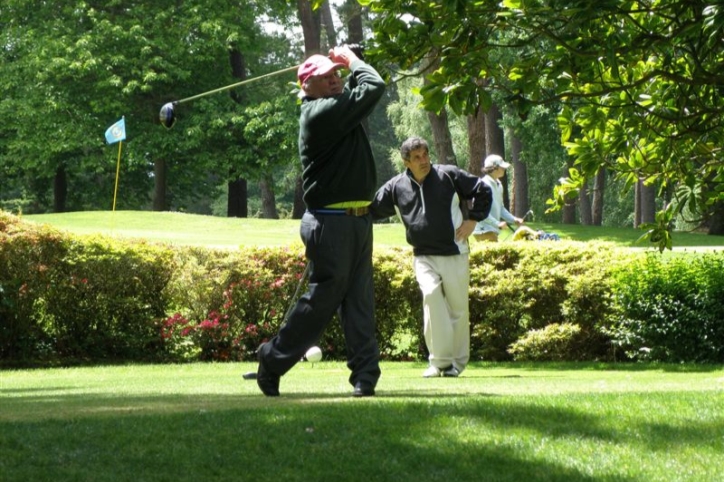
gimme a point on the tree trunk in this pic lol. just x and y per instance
(268, 201)
(236, 204)
(160, 202)
(326, 22)
(299, 207)
(494, 134)
(647, 203)
(716, 219)
(442, 138)
(519, 202)
(599, 188)
(637, 205)
(352, 16)
(495, 144)
(60, 189)
(584, 202)
(476, 142)
(238, 71)
(568, 212)
(310, 27)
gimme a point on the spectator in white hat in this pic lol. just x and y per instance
(489, 228)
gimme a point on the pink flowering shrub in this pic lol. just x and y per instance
(176, 333)
(249, 311)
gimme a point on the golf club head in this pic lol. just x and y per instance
(167, 116)
(529, 214)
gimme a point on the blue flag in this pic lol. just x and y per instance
(116, 132)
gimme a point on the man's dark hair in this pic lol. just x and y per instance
(412, 144)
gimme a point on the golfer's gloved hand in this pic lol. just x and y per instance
(358, 50)
(343, 55)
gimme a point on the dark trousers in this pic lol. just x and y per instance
(339, 250)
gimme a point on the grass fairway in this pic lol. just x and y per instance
(194, 229)
(497, 422)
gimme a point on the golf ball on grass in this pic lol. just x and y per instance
(314, 354)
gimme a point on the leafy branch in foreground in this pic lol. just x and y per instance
(639, 82)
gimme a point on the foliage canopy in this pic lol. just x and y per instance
(639, 82)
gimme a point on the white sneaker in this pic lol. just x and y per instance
(451, 372)
(432, 372)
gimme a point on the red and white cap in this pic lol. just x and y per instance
(316, 65)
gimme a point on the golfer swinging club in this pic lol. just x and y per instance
(339, 181)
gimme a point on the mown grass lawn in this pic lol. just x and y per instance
(497, 422)
(193, 229)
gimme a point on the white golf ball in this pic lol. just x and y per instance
(314, 354)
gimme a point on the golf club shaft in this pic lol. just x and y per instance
(530, 211)
(221, 89)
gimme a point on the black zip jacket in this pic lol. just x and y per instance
(336, 155)
(431, 211)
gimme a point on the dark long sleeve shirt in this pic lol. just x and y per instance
(431, 211)
(337, 161)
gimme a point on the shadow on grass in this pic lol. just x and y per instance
(631, 367)
(398, 436)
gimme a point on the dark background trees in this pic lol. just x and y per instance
(610, 111)
(69, 73)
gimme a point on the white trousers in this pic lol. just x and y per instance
(444, 281)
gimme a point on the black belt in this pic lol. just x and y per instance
(361, 211)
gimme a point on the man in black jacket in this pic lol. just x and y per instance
(339, 180)
(432, 201)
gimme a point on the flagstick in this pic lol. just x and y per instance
(118, 169)
(115, 190)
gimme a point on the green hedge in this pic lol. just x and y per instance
(68, 299)
(670, 311)
(80, 299)
(524, 286)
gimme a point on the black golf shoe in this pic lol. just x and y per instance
(363, 389)
(268, 382)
